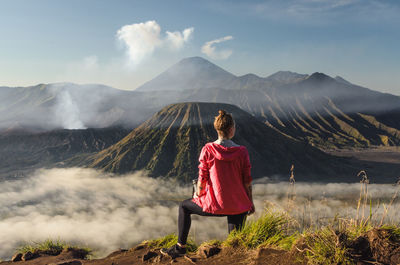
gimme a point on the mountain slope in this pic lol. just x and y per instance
(71, 106)
(168, 144)
(22, 151)
(333, 114)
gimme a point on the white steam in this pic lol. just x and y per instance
(141, 39)
(209, 49)
(67, 111)
(107, 212)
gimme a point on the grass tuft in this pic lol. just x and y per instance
(51, 247)
(168, 241)
(271, 229)
(325, 247)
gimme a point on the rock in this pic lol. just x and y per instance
(16, 257)
(76, 253)
(28, 256)
(207, 251)
(149, 255)
(138, 247)
(116, 253)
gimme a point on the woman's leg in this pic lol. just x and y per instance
(186, 208)
(236, 221)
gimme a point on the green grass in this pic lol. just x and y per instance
(51, 247)
(394, 232)
(271, 229)
(168, 241)
(213, 242)
(325, 247)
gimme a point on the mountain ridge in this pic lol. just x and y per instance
(318, 109)
(168, 145)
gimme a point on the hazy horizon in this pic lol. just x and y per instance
(124, 44)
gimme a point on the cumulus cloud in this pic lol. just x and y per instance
(106, 211)
(142, 39)
(177, 39)
(209, 49)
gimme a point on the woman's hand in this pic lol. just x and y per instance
(252, 210)
(196, 195)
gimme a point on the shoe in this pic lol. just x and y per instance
(174, 251)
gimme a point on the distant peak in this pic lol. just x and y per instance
(189, 73)
(194, 59)
(319, 77)
(285, 72)
(286, 76)
(250, 75)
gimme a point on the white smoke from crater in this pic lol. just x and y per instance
(67, 111)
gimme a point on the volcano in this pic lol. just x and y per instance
(169, 143)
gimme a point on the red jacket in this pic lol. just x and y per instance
(225, 170)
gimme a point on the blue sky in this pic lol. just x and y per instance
(125, 43)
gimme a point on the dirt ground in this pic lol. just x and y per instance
(377, 246)
(144, 255)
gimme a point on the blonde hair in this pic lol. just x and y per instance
(223, 122)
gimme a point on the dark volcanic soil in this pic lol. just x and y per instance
(383, 154)
(382, 164)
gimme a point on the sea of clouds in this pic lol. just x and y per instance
(106, 212)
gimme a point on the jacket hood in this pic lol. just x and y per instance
(224, 153)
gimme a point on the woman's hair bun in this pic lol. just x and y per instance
(223, 122)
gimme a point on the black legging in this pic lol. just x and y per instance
(187, 207)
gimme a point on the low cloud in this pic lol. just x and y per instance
(142, 39)
(209, 49)
(107, 211)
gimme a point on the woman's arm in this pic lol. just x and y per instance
(204, 173)
(249, 191)
(201, 187)
(247, 179)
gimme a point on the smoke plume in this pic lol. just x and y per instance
(68, 112)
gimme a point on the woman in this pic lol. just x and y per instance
(223, 186)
